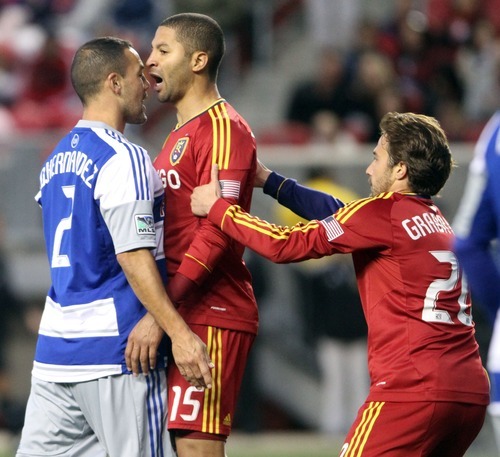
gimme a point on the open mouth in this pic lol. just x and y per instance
(157, 81)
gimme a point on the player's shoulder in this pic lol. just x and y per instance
(224, 112)
(373, 205)
(118, 143)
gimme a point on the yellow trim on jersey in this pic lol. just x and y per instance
(279, 188)
(219, 381)
(198, 262)
(211, 404)
(273, 231)
(363, 430)
(221, 142)
(344, 213)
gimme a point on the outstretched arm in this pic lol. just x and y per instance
(306, 202)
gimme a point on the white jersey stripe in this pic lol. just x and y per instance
(86, 320)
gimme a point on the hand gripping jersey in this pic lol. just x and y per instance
(100, 196)
(421, 343)
(194, 247)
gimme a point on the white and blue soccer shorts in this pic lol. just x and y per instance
(114, 416)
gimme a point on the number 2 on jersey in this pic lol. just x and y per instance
(58, 259)
(431, 312)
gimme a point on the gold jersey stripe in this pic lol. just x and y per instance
(221, 143)
(198, 262)
(343, 214)
(219, 381)
(363, 430)
(276, 229)
(261, 226)
(211, 404)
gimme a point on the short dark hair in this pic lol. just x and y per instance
(94, 61)
(198, 32)
(419, 142)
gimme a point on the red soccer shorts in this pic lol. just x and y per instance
(210, 411)
(413, 429)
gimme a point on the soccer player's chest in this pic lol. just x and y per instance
(178, 166)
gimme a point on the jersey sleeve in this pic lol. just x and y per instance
(477, 221)
(306, 202)
(124, 195)
(343, 232)
(476, 228)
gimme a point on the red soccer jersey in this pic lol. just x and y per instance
(194, 247)
(421, 343)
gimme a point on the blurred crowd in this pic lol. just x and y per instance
(37, 41)
(439, 57)
(39, 37)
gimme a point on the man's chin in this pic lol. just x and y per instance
(139, 120)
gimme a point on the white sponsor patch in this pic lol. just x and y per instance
(229, 188)
(332, 227)
(144, 224)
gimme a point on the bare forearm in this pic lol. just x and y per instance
(143, 276)
(190, 353)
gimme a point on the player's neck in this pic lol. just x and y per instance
(195, 102)
(401, 187)
(98, 114)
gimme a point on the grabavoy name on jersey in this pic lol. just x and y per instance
(425, 224)
(69, 162)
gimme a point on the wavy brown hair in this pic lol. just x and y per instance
(419, 142)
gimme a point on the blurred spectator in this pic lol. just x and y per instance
(325, 91)
(9, 91)
(235, 18)
(404, 41)
(48, 76)
(45, 102)
(129, 19)
(327, 128)
(333, 22)
(367, 37)
(452, 20)
(372, 76)
(478, 65)
(9, 82)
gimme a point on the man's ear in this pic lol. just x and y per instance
(199, 61)
(113, 81)
(401, 170)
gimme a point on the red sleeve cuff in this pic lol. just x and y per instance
(179, 288)
(218, 211)
(193, 270)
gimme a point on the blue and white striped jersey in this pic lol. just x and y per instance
(100, 196)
